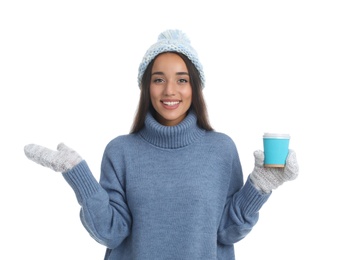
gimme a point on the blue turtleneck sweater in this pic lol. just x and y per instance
(168, 192)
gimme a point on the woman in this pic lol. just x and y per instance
(173, 188)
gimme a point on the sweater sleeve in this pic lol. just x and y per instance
(241, 214)
(242, 207)
(107, 221)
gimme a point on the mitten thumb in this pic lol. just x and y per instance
(259, 158)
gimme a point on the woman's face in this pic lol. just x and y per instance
(170, 89)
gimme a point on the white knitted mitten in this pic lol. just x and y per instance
(61, 160)
(266, 179)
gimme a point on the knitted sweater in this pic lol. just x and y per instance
(168, 192)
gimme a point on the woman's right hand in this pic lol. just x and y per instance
(61, 160)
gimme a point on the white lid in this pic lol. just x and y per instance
(276, 135)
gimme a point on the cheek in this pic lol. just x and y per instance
(153, 95)
(187, 94)
(153, 91)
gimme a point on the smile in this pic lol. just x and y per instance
(170, 103)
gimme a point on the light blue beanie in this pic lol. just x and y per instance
(171, 40)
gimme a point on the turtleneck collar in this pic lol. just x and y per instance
(171, 137)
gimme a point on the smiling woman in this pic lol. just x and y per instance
(171, 91)
(173, 187)
(175, 42)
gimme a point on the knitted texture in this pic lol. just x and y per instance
(181, 197)
(171, 41)
(267, 179)
(61, 160)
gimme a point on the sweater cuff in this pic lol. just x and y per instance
(251, 199)
(82, 181)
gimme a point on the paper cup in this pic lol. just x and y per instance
(275, 149)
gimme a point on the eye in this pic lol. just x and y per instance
(183, 81)
(158, 80)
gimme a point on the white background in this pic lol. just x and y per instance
(68, 73)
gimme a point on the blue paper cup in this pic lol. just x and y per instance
(275, 149)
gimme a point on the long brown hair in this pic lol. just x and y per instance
(198, 102)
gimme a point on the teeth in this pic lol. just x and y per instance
(171, 103)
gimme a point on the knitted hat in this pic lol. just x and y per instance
(171, 40)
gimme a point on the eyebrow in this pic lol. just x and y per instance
(161, 73)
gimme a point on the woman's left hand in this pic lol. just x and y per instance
(267, 179)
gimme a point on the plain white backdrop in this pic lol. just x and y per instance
(68, 73)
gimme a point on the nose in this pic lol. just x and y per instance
(170, 88)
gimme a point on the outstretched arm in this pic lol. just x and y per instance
(107, 221)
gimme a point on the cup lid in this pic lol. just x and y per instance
(276, 135)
